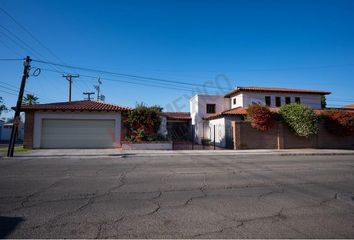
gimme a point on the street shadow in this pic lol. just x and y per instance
(8, 225)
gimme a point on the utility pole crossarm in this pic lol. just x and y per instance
(88, 95)
(69, 77)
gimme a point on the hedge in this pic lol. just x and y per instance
(340, 123)
(301, 120)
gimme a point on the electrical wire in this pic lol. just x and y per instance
(21, 41)
(125, 75)
(29, 33)
(11, 59)
(14, 94)
(168, 86)
(16, 89)
(17, 54)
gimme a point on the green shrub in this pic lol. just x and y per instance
(261, 117)
(206, 141)
(301, 119)
(143, 123)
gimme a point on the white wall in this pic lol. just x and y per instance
(39, 116)
(239, 101)
(6, 129)
(163, 126)
(243, 99)
(198, 105)
(310, 100)
(220, 138)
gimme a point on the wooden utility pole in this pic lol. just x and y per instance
(69, 77)
(26, 69)
(88, 95)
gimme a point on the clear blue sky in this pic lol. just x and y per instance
(298, 44)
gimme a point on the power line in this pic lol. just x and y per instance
(1, 86)
(78, 86)
(30, 34)
(18, 43)
(14, 94)
(35, 38)
(27, 91)
(21, 41)
(126, 75)
(166, 86)
(11, 59)
(9, 48)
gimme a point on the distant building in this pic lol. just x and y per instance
(5, 131)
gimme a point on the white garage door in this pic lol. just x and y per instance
(68, 133)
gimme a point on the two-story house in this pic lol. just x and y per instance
(213, 114)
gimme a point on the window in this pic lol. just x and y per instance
(210, 108)
(277, 101)
(234, 100)
(287, 100)
(297, 100)
(268, 101)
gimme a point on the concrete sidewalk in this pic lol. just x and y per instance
(114, 152)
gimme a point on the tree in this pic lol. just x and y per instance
(2, 106)
(261, 117)
(323, 102)
(30, 99)
(143, 123)
(301, 119)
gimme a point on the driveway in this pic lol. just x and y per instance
(178, 196)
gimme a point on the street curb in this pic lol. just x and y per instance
(314, 154)
(127, 155)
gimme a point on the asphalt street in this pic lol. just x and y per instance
(184, 196)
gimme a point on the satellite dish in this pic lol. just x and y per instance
(102, 98)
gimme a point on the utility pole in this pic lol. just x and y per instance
(97, 87)
(88, 95)
(69, 77)
(26, 69)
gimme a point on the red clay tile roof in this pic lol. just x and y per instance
(270, 89)
(84, 105)
(231, 112)
(349, 106)
(177, 115)
(243, 111)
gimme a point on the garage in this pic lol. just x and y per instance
(67, 133)
(77, 124)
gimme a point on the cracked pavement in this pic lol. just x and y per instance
(182, 196)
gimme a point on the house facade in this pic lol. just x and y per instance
(89, 124)
(212, 115)
(77, 124)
